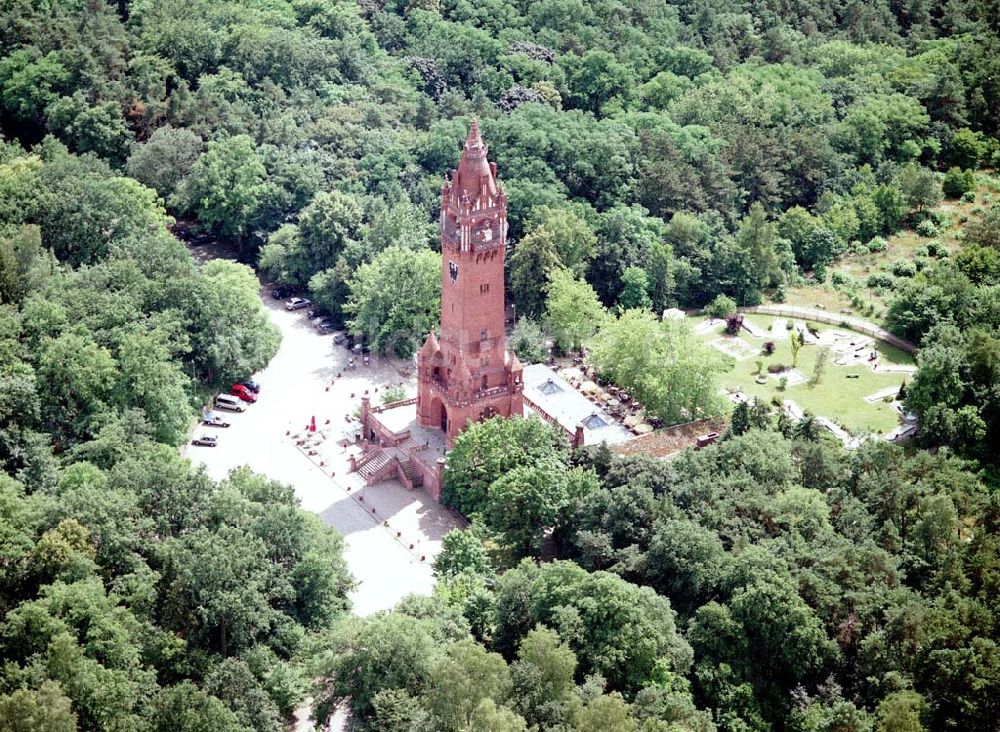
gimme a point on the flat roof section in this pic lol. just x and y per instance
(402, 418)
(546, 388)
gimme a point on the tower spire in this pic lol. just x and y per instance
(474, 180)
(474, 142)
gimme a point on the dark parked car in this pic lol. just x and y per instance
(251, 385)
(206, 441)
(281, 292)
(339, 338)
(327, 325)
(317, 313)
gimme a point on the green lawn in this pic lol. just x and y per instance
(835, 396)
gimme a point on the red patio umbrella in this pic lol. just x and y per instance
(312, 424)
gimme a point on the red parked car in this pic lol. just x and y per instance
(243, 393)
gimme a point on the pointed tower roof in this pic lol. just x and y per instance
(463, 372)
(430, 347)
(474, 178)
(515, 363)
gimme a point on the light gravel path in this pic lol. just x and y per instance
(882, 394)
(293, 389)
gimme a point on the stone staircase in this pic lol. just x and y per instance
(412, 474)
(382, 463)
(409, 444)
(375, 466)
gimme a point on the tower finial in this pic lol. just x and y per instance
(474, 141)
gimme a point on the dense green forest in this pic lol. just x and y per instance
(772, 581)
(655, 154)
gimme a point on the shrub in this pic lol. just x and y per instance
(734, 323)
(927, 228)
(903, 268)
(840, 278)
(820, 366)
(877, 244)
(776, 368)
(969, 197)
(393, 394)
(721, 307)
(879, 280)
(782, 383)
(958, 182)
(856, 247)
(921, 263)
(789, 325)
(769, 348)
(936, 248)
(921, 251)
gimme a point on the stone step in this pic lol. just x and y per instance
(374, 465)
(412, 474)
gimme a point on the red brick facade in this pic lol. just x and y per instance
(467, 374)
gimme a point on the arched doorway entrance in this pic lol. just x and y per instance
(444, 417)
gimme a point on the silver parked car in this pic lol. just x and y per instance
(214, 419)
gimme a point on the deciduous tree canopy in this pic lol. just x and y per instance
(654, 155)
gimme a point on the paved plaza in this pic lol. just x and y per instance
(300, 383)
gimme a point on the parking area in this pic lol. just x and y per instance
(302, 383)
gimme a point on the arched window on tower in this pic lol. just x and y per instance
(483, 231)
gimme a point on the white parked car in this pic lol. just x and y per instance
(230, 402)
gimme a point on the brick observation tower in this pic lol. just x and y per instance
(467, 374)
